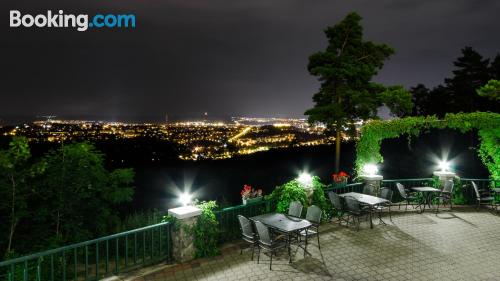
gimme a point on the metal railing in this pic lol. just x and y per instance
(94, 259)
(132, 249)
(228, 217)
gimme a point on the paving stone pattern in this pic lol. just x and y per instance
(458, 245)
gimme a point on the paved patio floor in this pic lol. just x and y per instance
(458, 245)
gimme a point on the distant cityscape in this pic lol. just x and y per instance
(198, 139)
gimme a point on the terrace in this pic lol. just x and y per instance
(457, 244)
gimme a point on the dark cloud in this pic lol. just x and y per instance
(226, 57)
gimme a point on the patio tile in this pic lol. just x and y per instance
(458, 245)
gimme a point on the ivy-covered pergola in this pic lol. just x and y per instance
(486, 123)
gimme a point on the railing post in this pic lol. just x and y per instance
(183, 241)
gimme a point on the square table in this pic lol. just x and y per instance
(285, 224)
(366, 199)
(426, 192)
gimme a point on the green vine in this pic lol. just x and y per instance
(294, 191)
(206, 231)
(487, 124)
(176, 224)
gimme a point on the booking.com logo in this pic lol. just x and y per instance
(61, 20)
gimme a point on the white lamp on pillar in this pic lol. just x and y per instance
(371, 177)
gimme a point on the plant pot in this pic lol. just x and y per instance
(251, 200)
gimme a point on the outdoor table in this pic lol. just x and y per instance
(285, 224)
(426, 192)
(369, 200)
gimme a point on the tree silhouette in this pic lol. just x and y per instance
(345, 70)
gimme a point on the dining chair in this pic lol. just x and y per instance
(268, 244)
(247, 233)
(337, 205)
(385, 193)
(354, 210)
(482, 198)
(446, 194)
(406, 197)
(313, 215)
(295, 209)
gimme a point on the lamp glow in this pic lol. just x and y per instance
(185, 198)
(444, 166)
(305, 179)
(370, 169)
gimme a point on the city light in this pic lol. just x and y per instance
(444, 165)
(305, 179)
(370, 169)
(185, 198)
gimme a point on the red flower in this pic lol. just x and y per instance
(340, 177)
(248, 192)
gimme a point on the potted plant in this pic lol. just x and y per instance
(340, 178)
(250, 195)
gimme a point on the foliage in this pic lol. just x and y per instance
(294, 191)
(80, 194)
(176, 224)
(487, 123)
(206, 231)
(139, 219)
(345, 70)
(489, 151)
(16, 175)
(71, 196)
(491, 90)
(319, 199)
(459, 92)
(288, 192)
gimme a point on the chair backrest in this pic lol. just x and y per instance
(314, 214)
(263, 231)
(476, 190)
(386, 193)
(295, 209)
(335, 199)
(246, 226)
(448, 186)
(368, 189)
(401, 189)
(352, 205)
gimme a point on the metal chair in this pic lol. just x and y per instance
(385, 193)
(266, 243)
(247, 233)
(482, 198)
(337, 205)
(354, 209)
(313, 215)
(446, 194)
(404, 195)
(295, 209)
(369, 189)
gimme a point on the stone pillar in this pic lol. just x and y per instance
(182, 241)
(444, 176)
(373, 180)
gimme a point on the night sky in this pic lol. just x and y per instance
(232, 57)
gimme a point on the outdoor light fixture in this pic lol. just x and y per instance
(370, 169)
(185, 198)
(305, 179)
(444, 165)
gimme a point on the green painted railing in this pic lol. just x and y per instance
(228, 217)
(94, 259)
(132, 249)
